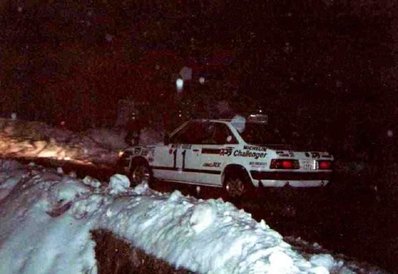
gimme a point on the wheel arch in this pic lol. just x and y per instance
(138, 159)
(235, 168)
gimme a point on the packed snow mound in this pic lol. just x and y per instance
(46, 219)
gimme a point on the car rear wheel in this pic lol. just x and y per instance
(140, 172)
(236, 184)
(234, 187)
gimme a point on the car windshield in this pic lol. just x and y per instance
(260, 134)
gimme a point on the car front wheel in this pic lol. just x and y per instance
(140, 172)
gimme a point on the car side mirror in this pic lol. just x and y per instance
(166, 139)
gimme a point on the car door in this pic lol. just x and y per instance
(202, 162)
(173, 157)
(164, 162)
(187, 145)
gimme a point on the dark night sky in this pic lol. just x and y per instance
(323, 68)
(324, 71)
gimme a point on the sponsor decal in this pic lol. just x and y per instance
(211, 151)
(247, 153)
(212, 164)
(284, 153)
(256, 148)
(226, 151)
(258, 164)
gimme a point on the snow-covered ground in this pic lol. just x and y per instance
(46, 216)
(36, 139)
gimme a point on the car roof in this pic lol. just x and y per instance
(250, 119)
(210, 120)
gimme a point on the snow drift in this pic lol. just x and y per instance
(46, 218)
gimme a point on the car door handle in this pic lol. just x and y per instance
(195, 150)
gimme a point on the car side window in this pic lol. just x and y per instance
(192, 133)
(219, 134)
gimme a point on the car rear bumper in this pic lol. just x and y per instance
(295, 184)
(294, 179)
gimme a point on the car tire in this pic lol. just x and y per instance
(236, 184)
(140, 172)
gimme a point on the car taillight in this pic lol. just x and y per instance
(284, 164)
(324, 164)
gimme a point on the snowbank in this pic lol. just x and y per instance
(36, 139)
(46, 219)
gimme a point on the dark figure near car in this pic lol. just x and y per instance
(133, 126)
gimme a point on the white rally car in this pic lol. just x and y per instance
(236, 155)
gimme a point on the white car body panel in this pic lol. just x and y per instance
(205, 163)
